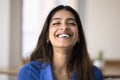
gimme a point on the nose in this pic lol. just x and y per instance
(64, 27)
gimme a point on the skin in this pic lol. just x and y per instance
(63, 35)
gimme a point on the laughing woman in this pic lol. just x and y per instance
(61, 52)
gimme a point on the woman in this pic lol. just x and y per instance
(61, 52)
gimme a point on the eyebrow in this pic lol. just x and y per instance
(56, 19)
(71, 19)
(61, 19)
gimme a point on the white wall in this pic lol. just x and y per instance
(103, 28)
(4, 35)
(4, 32)
(10, 35)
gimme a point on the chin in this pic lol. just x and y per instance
(65, 46)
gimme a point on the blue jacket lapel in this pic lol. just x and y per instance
(46, 73)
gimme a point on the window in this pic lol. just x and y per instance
(33, 17)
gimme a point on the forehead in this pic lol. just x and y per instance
(63, 14)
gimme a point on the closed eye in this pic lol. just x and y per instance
(72, 24)
(56, 24)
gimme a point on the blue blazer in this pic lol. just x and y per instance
(42, 71)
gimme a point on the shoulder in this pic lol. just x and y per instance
(97, 74)
(31, 70)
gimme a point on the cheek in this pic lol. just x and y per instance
(52, 29)
(51, 32)
(76, 34)
(75, 30)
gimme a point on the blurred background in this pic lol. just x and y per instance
(21, 22)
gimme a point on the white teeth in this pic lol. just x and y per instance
(64, 35)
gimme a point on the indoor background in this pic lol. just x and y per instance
(21, 23)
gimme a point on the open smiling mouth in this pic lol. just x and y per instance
(63, 35)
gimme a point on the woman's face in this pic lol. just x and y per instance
(63, 30)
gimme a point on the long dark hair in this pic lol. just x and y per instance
(80, 62)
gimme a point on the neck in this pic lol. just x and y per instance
(61, 58)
